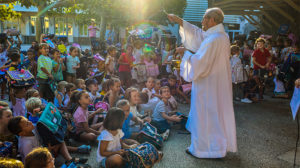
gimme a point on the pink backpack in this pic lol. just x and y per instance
(103, 105)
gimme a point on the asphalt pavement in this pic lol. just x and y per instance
(265, 130)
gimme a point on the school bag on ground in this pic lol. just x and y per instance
(51, 126)
(6, 149)
(149, 134)
(143, 156)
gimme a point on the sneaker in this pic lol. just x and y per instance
(166, 134)
(246, 100)
(237, 98)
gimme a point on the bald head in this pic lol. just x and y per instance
(212, 17)
(215, 13)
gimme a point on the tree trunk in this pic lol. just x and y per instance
(38, 28)
(102, 28)
(39, 21)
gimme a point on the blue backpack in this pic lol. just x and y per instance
(143, 156)
(51, 126)
(6, 149)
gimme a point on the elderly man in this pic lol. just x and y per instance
(211, 118)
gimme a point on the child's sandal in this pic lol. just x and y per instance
(83, 166)
(84, 149)
(79, 160)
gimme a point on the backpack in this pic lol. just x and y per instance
(149, 134)
(6, 149)
(51, 126)
(22, 78)
(143, 156)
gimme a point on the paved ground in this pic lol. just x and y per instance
(265, 130)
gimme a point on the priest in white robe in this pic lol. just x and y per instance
(211, 119)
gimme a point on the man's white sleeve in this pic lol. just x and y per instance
(191, 36)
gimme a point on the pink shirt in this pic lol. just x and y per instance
(92, 31)
(80, 116)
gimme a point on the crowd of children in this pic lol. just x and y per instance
(127, 86)
(108, 96)
(254, 67)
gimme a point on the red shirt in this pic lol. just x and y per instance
(125, 68)
(261, 57)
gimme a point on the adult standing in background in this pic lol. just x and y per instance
(93, 31)
(211, 119)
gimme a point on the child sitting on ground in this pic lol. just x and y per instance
(104, 88)
(10, 163)
(35, 93)
(39, 157)
(125, 106)
(149, 87)
(250, 88)
(147, 105)
(162, 115)
(92, 88)
(60, 94)
(80, 84)
(156, 89)
(17, 97)
(29, 139)
(114, 92)
(70, 87)
(174, 88)
(279, 90)
(132, 95)
(5, 134)
(33, 106)
(81, 116)
(110, 152)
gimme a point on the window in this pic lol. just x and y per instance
(83, 30)
(62, 27)
(46, 25)
(13, 24)
(32, 25)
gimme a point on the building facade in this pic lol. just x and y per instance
(60, 26)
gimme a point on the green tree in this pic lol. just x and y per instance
(44, 7)
(119, 13)
(7, 12)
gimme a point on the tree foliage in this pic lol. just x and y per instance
(7, 12)
(127, 12)
(118, 13)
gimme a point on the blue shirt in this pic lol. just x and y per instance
(126, 126)
(58, 75)
(160, 108)
(71, 62)
(34, 120)
(56, 103)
